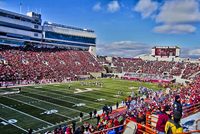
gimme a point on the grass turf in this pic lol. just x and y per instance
(27, 106)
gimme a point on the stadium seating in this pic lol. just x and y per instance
(183, 69)
(45, 64)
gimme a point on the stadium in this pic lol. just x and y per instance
(52, 81)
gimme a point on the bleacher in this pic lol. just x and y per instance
(41, 64)
(136, 65)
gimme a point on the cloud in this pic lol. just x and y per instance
(97, 7)
(132, 49)
(179, 11)
(174, 28)
(177, 17)
(123, 49)
(194, 52)
(187, 52)
(171, 16)
(146, 8)
(113, 6)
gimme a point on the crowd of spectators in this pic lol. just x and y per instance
(34, 64)
(137, 65)
(191, 68)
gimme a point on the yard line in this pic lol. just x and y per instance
(35, 106)
(67, 96)
(62, 91)
(26, 114)
(14, 125)
(54, 104)
(77, 95)
(61, 99)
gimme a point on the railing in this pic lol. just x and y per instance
(105, 131)
(197, 122)
(188, 110)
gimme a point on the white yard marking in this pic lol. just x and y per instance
(52, 103)
(117, 96)
(14, 125)
(11, 92)
(36, 106)
(76, 95)
(38, 87)
(60, 99)
(64, 96)
(79, 105)
(26, 114)
(133, 87)
(101, 99)
(87, 90)
(82, 91)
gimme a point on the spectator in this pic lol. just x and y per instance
(79, 130)
(177, 106)
(90, 113)
(87, 131)
(81, 117)
(110, 109)
(68, 130)
(73, 126)
(162, 119)
(95, 113)
(30, 131)
(173, 126)
(117, 105)
(98, 119)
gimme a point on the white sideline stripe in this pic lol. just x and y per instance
(52, 103)
(35, 106)
(59, 98)
(26, 114)
(14, 125)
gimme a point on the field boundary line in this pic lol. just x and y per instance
(35, 106)
(14, 125)
(26, 114)
(53, 103)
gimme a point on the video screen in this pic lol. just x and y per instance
(165, 52)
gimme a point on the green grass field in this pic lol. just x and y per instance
(28, 106)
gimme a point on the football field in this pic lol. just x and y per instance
(44, 107)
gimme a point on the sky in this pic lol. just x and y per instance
(125, 28)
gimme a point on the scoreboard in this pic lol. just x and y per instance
(166, 51)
